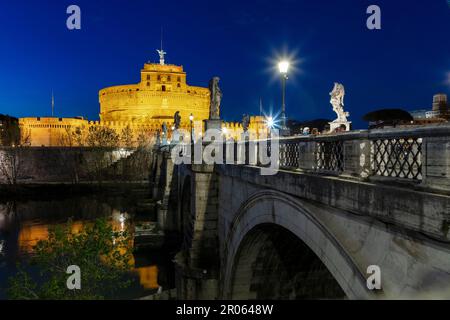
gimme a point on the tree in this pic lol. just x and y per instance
(11, 164)
(79, 136)
(102, 254)
(25, 137)
(387, 117)
(102, 137)
(67, 138)
(145, 138)
(126, 137)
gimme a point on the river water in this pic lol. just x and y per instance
(24, 222)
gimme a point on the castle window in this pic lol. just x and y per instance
(168, 78)
(163, 88)
(178, 85)
(148, 84)
(148, 77)
(159, 77)
(179, 79)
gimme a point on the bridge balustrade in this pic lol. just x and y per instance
(413, 155)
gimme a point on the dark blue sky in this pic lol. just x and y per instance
(402, 65)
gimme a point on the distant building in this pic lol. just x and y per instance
(257, 129)
(50, 131)
(438, 113)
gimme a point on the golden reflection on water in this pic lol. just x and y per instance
(30, 234)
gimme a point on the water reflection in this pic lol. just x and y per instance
(23, 224)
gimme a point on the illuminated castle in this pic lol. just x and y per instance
(161, 92)
(144, 106)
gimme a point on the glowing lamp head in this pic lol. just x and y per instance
(270, 122)
(283, 66)
(224, 130)
(191, 117)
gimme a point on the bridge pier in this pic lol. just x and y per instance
(198, 265)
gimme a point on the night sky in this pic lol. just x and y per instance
(400, 66)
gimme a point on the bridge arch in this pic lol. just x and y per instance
(274, 237)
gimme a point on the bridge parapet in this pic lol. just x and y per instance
(418, 156)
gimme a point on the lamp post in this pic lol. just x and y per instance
(283, 67)
(191, 119)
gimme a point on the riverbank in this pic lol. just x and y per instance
(27, 210)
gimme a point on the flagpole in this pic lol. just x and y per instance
(53, 104)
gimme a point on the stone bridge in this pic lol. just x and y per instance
(338, 205)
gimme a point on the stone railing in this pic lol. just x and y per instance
(417, 155)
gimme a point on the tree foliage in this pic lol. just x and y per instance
(126, 137)
(102, 254)
(388, 115)
(102, 137)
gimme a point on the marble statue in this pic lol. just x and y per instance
(216, 97)
(176, 120)
(337, 101)
(245, 122)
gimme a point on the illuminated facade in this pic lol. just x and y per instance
(257, 129)
(161, 92)
(145, 106)
(49, 131)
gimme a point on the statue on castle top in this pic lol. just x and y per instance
(176, 120)
(245, 122)
(161, 53)
(216, 97)
(337, 101)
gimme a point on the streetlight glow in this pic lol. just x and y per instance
(270, 122)
(283, 66)
(191, 117)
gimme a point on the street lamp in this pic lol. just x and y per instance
(270, 124)
(283, 67)
(191, 119)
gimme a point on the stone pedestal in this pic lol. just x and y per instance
(337, 124)
(213, 124)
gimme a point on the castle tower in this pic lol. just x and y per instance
(161, 92)
(440, 103)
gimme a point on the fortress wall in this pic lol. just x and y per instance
(54, 164)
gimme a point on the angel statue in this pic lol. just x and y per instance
(176, 120)
(245, 122)
(216, 97)
(337, 101)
